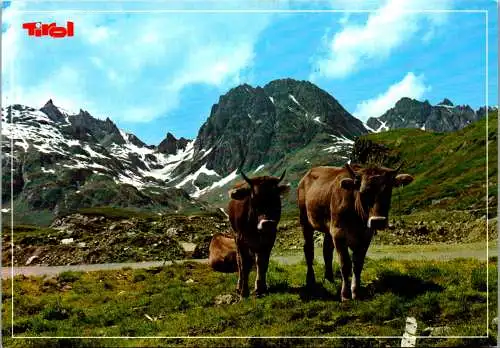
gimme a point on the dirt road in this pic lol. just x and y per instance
(400, 252)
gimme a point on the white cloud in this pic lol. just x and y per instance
(358, 46)
(411, 86)
(127, 66)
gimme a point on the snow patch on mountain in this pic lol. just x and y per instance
(259, 168)
(206, 152)
(170, 163)
(316, 119)
(369, 128)
(382, 127)
(222, 182)
(130, 179)
(127, 163)
(294, 100)
(93, 153)
(51, 171)
(446, 106)
(341, 142)
(342, 139)
(192, 177)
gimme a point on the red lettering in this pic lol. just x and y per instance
(71, 29)
(46, 28)
(38, 29)
(31, 28)
(57, 32)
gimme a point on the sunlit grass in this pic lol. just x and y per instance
(179, 300)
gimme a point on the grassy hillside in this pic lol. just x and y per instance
(449, 168)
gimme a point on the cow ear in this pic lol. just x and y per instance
(240, 193)
(347, 184)
(402, 180)
(284, 189)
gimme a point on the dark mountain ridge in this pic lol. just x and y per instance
(65, 161)
(412, 113)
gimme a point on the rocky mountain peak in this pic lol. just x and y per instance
(411, 113)
(446, 101)
(136, 141)
(84, 127)
(405, 103)
(481, 112)
(170, 145)
(262, 124)
(53, 112)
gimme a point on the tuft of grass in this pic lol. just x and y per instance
(69, 276)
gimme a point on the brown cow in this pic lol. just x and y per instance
(348, 205)
(254, 213)
(222, 253)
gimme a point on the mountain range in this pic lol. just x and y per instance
(62, 162)
(411, 113)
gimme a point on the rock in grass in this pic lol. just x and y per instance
(225, 299)
(31, 259)
(171, 232)
(436, 331)
(67, 241)
(188, 247)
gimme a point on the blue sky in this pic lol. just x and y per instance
(157, 72)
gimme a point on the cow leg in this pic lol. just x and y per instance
(358, 260)
(262, 261)
(308, 232)
(244, 265)
(328, 256)
(345, 265)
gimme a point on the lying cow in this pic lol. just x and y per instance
(254, 213)
(222, 253)
(347, 204)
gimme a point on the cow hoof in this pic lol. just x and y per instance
(310, 282)
(260, 292)
(310, 286)
(244, 294)
(329, 277)
(345, 294)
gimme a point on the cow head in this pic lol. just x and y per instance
(265, 202)
(374, 190)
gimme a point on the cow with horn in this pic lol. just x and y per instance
(254, 212)
(348, 205)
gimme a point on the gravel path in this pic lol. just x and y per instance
(425, 252)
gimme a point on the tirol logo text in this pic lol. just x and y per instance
(38, 29)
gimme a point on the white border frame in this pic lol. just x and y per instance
(261, 337)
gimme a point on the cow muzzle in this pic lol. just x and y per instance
(377, 222)
(265, 224)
